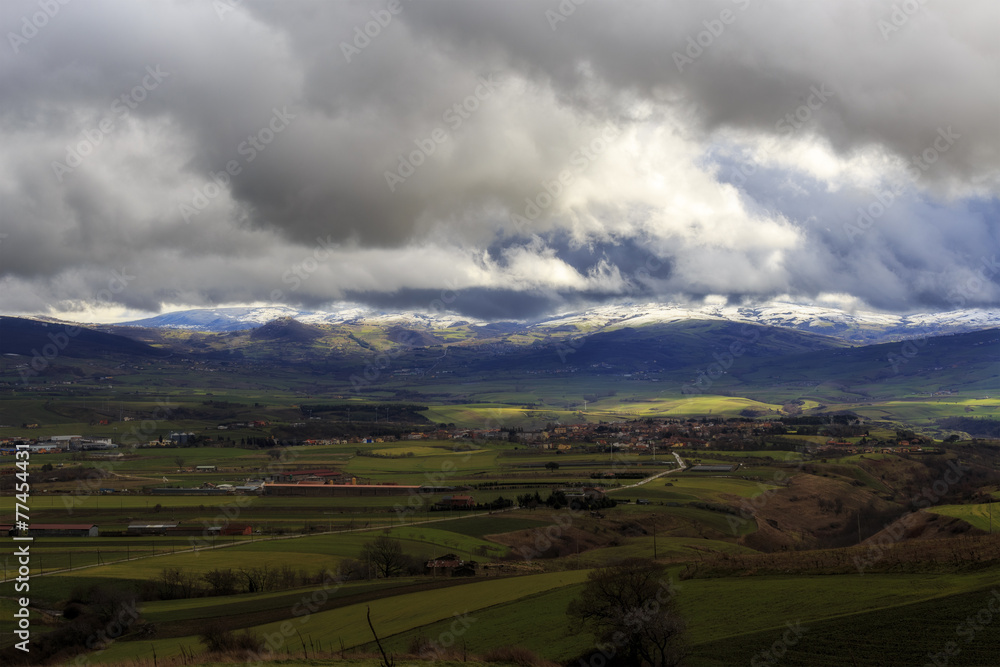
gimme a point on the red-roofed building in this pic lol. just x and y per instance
(456, 503)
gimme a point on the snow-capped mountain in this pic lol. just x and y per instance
(856, 327)
(218, 319)
(248, 317)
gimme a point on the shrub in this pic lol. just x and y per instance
(514, 655)
(217, 638)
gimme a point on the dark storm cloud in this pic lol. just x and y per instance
(271, 131)
(478, 303)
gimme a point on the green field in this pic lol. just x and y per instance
(686, 518)
(391, 615)
(981, 516)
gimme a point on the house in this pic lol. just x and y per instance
(455, 503)
(237, 529)
(150, 528)
(447, 566)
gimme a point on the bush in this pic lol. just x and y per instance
(219, 639)
(514, 655)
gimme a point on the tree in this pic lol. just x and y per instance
(179, 460)
(384, 555)
(222, 581)
(630, 608)
(552, 465)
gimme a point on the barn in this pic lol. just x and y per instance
(62, 530)
(456, 503)
(150, 528)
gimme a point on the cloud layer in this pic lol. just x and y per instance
(531, 156)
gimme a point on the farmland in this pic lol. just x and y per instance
(557, 479)
(314, 538)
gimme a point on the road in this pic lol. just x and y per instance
(680, 466)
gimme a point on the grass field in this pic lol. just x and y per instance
(750, 604)
(902, 634)
(981, 516)
(882, 617)
(391, 616)
(685, 488)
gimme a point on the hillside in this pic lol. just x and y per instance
(858, 327)
(19, 336)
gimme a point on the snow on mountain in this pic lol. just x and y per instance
(248, 317)
(857, 326)
(218, 319)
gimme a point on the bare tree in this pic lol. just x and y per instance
(222, 581)
(630, 608)
(384, 555)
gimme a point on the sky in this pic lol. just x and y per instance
(508, 159)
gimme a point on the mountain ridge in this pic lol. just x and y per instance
(860, 327)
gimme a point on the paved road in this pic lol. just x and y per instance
(680, 466)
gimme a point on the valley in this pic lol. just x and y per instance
(577, 452)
